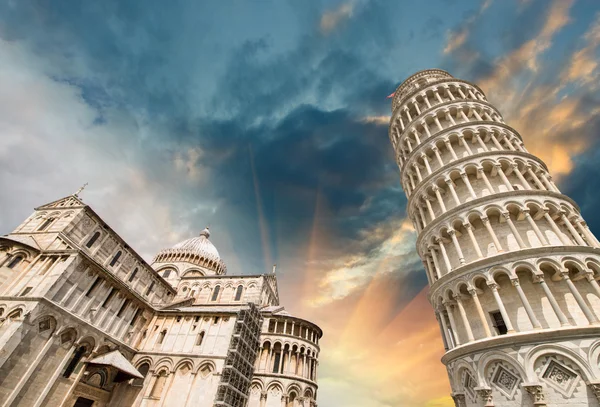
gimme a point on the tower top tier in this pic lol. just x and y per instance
(417, 81)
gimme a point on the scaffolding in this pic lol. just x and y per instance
(237, 373)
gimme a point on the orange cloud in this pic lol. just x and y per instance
(331, 19)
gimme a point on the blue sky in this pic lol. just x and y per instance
(267, 120)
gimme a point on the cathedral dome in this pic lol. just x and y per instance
(197, 250)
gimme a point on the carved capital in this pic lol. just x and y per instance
(486, 396)
(451, 232)
(493, 286)
(537, 393)
(506, 215)
(485, 220)
(515, 282)
(467, 226)
(459, 400)
(595, 389)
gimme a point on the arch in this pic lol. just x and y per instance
(275, 385)
(238, 292)
(215, 293)
(258, 384)
(488, 358)
(143, 368)
(183, 364)
(92, 240)
(115, 258)
(164, 363)
(553, 349)
(206, 367)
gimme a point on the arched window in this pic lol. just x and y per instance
(115, 259)
(215, 294)
(238, 292)
(91, 242)
(159, 384)
(74, 361)
(161, 336)
(132, 276)
(15, 262)
(45, 225)
(143, 369)
(167, 273)
(291, 399)
(200, 338)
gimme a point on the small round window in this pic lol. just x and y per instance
(184, 289)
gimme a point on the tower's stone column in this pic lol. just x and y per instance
(512, 266)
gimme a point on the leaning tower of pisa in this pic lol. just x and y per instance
(511, 264)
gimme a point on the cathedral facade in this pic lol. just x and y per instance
(85, 321)
(513, 268)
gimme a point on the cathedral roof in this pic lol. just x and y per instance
(196, 250)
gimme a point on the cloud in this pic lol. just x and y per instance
(583, 67)
(458, 37)
(333, 18)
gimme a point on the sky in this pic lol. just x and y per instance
(267, 120)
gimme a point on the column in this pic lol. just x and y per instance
(429, 208)
(32, 367)
(450, 95)
(449, 117)
(416, 106)
(423, 218)
(559, 314)
(444, 255)
(408, 114)
(498, 168)
(590, 278)
(586, 310)
(418, 171)
(438, 195)
(438, 156)
(437, 316)
(484, 323)
(448, 340)
(480, 141)
(437, 121)
(515, 168)
(535, 178)
(433, 271)
(536, 324)
(514, 230)
(461, 257)
(438, 270)
(469, 228)
(463, 315)
(193, 378)
(548, 183)
(452, 190)
(476, 114)
(426, 99)
(464, 116)
(426, 127)
(465, 179)
(555, 228)
(437, 95)
(426, 162)
(449, 147)
(494, 288)
(461, 138)
(571, 229)
(462, 95)
(589, 232)
(167, 388)
(481, 174)
(495, 141)
(416, 134)
(588, 235)
(452, 323)
(488, 226)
